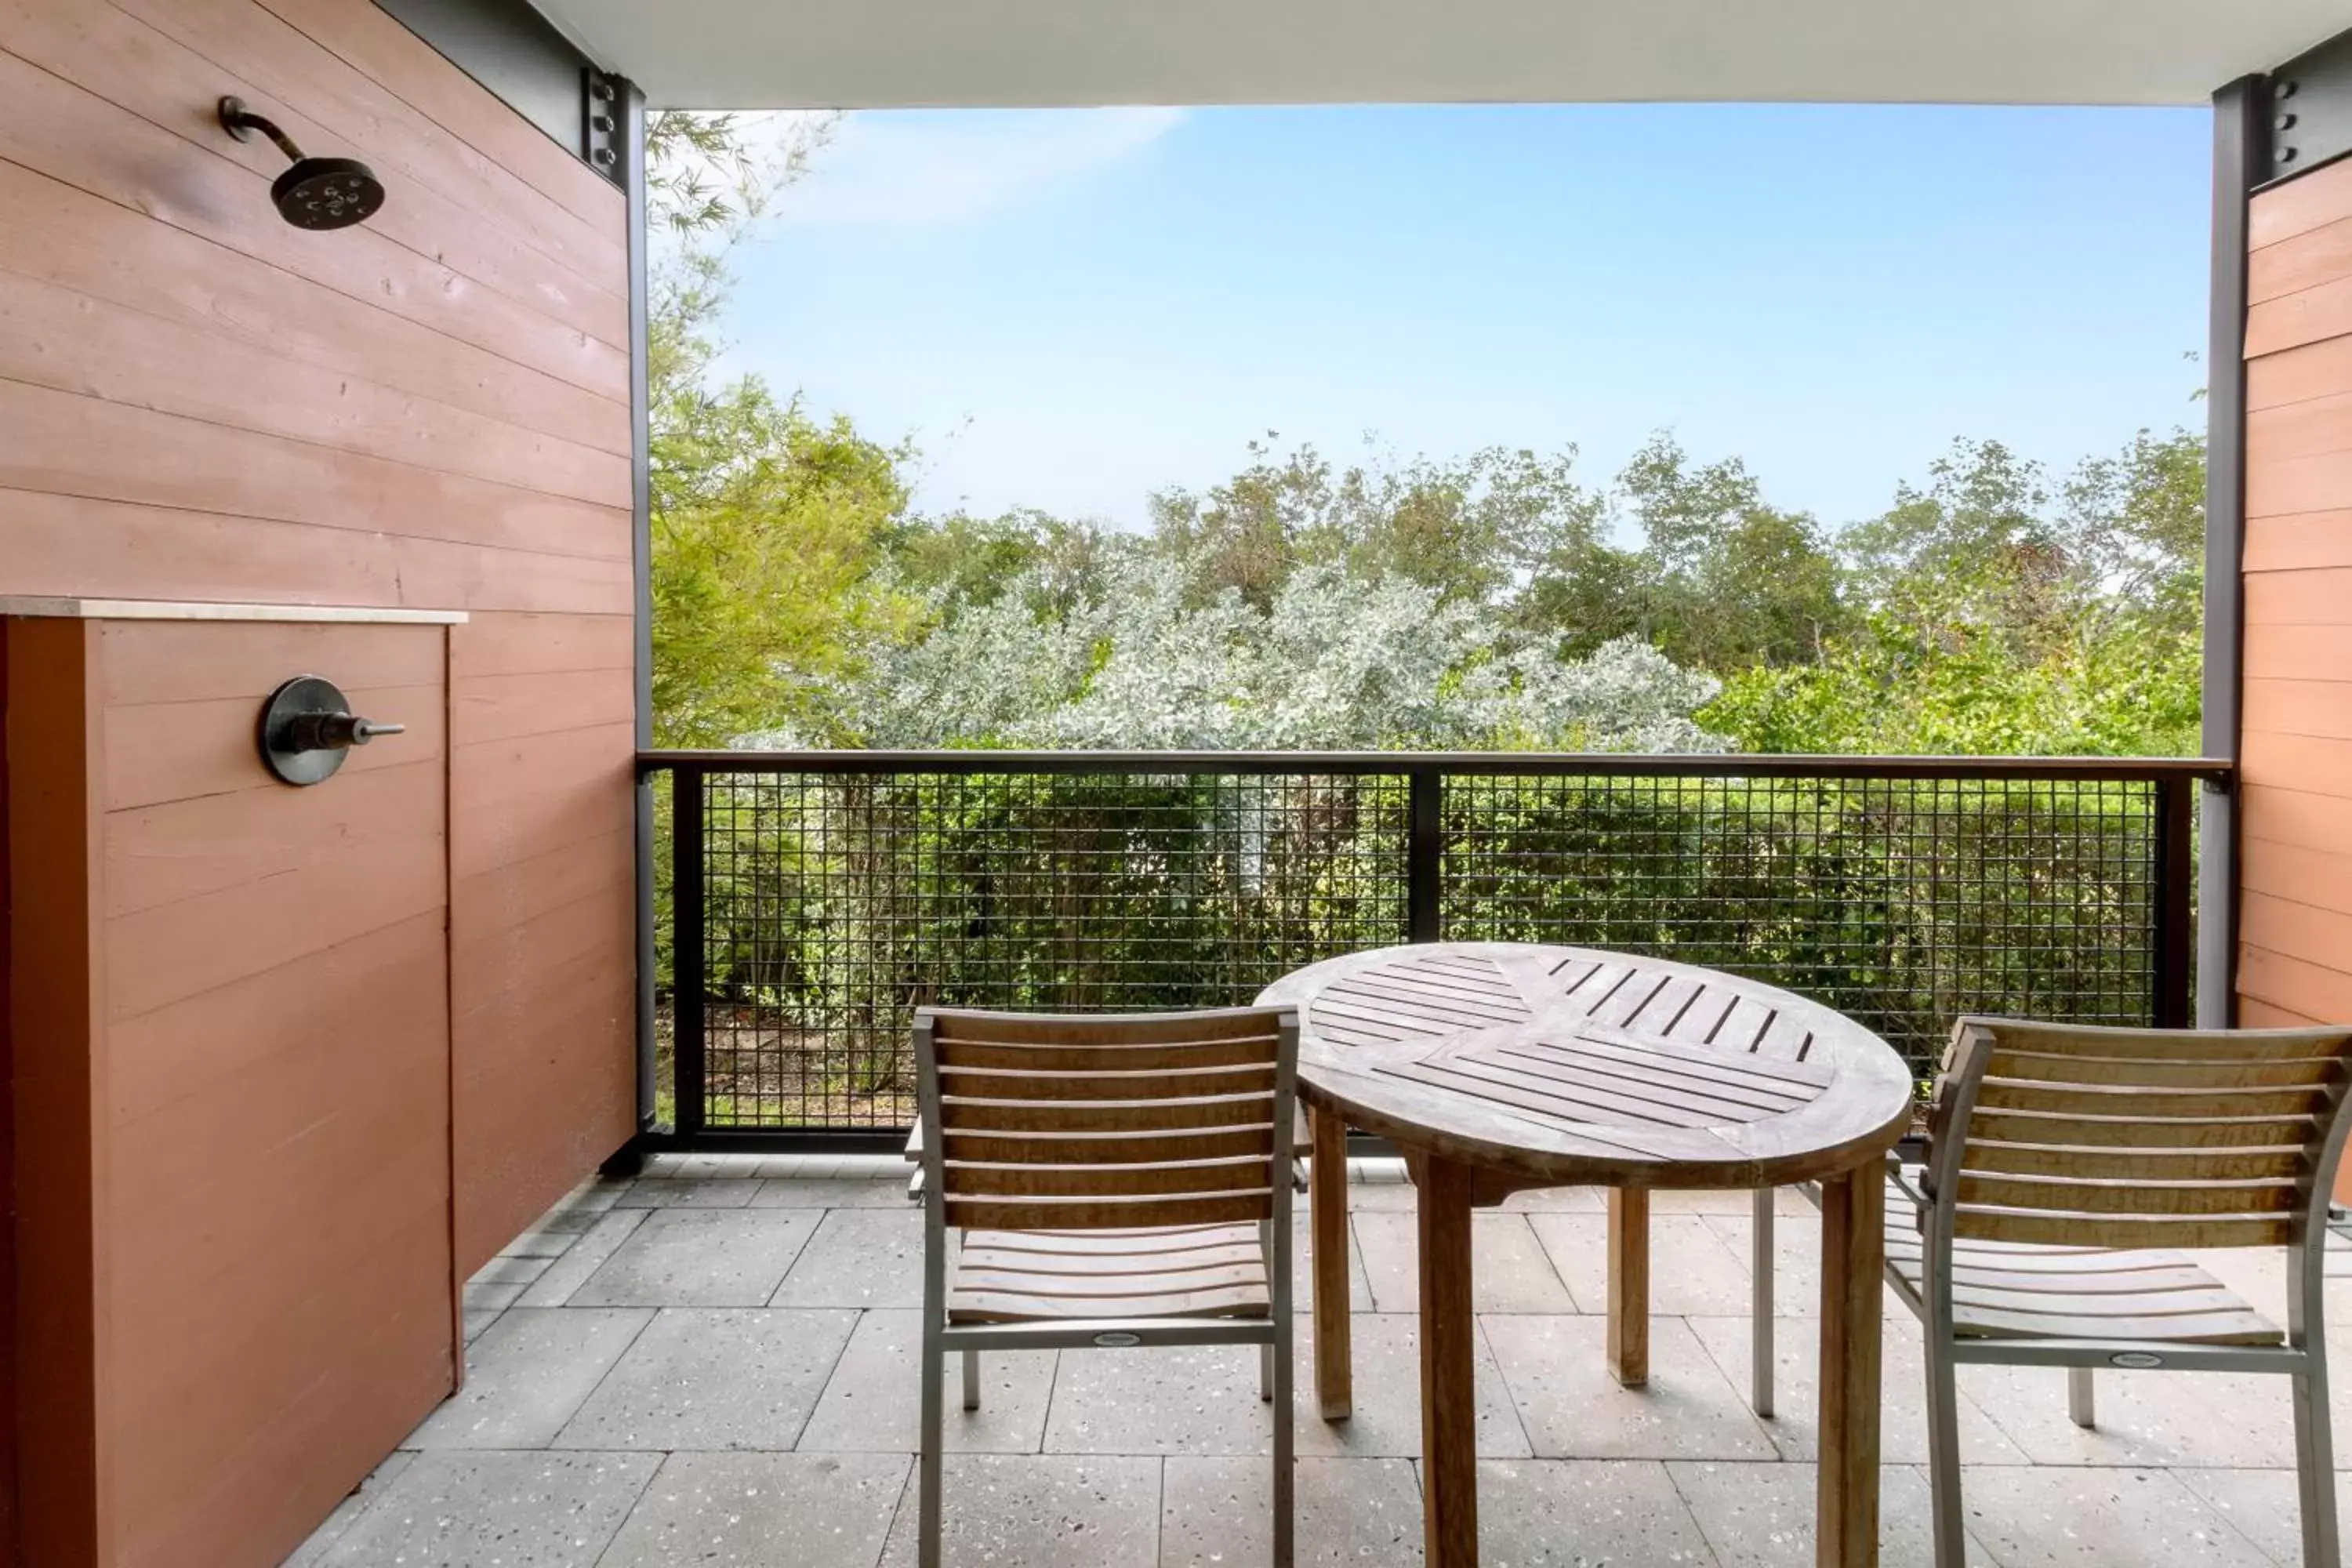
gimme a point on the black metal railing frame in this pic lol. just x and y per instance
(2171, 784)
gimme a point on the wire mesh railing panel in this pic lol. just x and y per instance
(814, 902)
(835, 905)
(1901, 902)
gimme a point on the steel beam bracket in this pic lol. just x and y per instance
(2310, 119)
(604, 138)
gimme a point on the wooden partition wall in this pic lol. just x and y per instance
(2295, 957)
(201, 402)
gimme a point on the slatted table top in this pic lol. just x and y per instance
(1574, 1065)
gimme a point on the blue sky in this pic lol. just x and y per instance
(1068, 309)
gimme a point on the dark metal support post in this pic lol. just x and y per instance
(1424, 857)
(629, 109)
(2241, 113)
(631, 106)
(2175, 872)
(689, 946)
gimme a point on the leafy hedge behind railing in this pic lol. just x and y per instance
(837, 902)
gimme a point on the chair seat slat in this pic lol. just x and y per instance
(2080, 1283)
(990, 1307)
(1224, 1266)
(1131, 1238)
(2223, 1328)
(997, 1262)
(2175, 1301)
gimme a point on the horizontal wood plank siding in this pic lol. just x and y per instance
(429, 411)
(270, 1136)
(2294, 947)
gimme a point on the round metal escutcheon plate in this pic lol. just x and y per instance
(303, 694)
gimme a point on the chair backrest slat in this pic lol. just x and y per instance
(2115, 1099)
(2043, 1129)
(2077, 1135)
(1067, 1123)
(1141, 1116)
(2267, 1195)
(1098, 1213)
(2162, 1072)
(1114, 1148)
(1117, 1083)
(2128, 1232)
(1060, 1056)
(2190, 1164)
(1014, 1179)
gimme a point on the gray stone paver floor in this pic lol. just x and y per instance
(714, 1365)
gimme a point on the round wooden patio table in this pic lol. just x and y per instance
(1497, 1066)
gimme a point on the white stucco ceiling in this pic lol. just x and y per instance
(759, 54)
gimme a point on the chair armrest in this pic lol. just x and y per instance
(915, 1188)
(1297, 1174)
(1902, 1182)
(915, 1158)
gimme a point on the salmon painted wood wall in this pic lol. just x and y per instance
(2295, 876)
(198, 402)
(2294, 958)
(233, 1068)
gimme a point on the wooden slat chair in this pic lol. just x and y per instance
(2065, 1163)
(1117, 1182)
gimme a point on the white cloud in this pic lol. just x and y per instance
(949, 166)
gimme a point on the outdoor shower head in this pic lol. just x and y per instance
(316, 192)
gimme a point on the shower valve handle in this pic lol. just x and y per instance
(307, 728)
(323, 731)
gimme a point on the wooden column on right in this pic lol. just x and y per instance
(2295, 952)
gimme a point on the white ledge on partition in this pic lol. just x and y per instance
(199, 610)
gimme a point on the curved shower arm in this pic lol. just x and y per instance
(241, 122)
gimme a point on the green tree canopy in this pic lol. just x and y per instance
(2002, 615)
(768, 527)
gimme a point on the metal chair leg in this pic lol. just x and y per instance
(1760, 1370)
(1265, 1352)
(927, 1520)
(2315, 1464)
(1944, 1456)
(971, 1380)
(1279, 1359)
(2079, 1403)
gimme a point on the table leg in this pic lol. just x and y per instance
(1328, 1204)
(1854, 1251)
(1628, 1285)
(1449, 1428)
